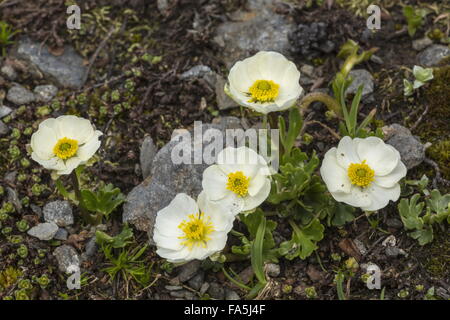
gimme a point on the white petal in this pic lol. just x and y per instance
(392, 178)
(252, 202)
(380, 157)
(43, 141)
(217, 242)
(54, 163)
(215, 182)
(357, 197)
(177, 210)
(69, 165)
(239, 78)
(86, 151)
(256, 183)
(380, 196)
(346, 152)
(221, 215)
(74, 127)
(174, 256)
(166, 242)
(334, 176)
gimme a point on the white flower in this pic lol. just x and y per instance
(363, 172)
(239, 181)
(62, 144)
(186, 230)
(266, 82)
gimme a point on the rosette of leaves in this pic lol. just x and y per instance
(103, 201)
(420, 221)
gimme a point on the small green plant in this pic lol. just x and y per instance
(6, 34)
(123, 261)
(421, 75)
(421, 224)
(415, 18)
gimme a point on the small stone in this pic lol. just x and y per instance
(9, 72)
(4, 129)
(68, 70)
(314, 274)
(216, 291)
(204, 288)
(201, 71)
(392, 252)
(411, 150)
(4, 111)
(394, 223)
(44, 231)
(231, 295)
(361, 77)
(91, 247)
(67, 258)
(441, 292)
(45, 93)
(223, 100)
(59, 212)
(307, 70)
(420, 44)
(163, 6)
(20, 95)
(273, 270)
(246, 275)
(173, 288)
(360, 246)
(433, 55)
(148, 153)
(197, 281)
(376, 59)
(188, 270)
(61, 234)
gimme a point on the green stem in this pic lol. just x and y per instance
(76, 187)
(264, 124)
(61, 189)
(326, 99)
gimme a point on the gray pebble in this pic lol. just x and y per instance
(44, 231)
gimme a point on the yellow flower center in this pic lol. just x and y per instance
(263, 91)
(360, 174)
(238, 183)
(196, 230)
(65, 148)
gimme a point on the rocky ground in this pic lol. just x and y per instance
(141, 70)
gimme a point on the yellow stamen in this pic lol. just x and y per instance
(360, 174)
(65, 148)
(263, 91)
(196, 230)
(238, 183)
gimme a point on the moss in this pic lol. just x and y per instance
(439, 256)
(440, 152)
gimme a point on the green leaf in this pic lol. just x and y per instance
(119, 241)
(408, 89)
(424, 236)
(342, 214)
(257, 258)
(354, 110)
(410, 212)
(303, 241)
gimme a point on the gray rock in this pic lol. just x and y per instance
(197, 281)
(67, 258)
(91, 247)
(231, 295)
(67, 70)
(4, 111)
(4, 129)
(222, 99)
(216, 291)
(165, 181)
(163, 6)
(44, 231)
(201, 71)
(420, 44)
(273, 270)
(20, 95)
(45, 93)
(412, 151)
(173, 288)
(61, 234)
(13, 197)
(431, 56)
(9, 72)
(361, 76)
(188, 270)
(204, 288)
(59, 212)
(250, 32)
(441, 292)
(148, 153)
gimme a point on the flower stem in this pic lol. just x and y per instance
(76, 187)
(326, 99)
